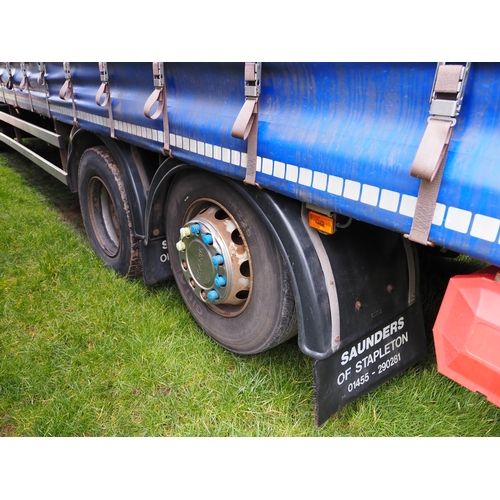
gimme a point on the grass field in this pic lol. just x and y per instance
(86, 353)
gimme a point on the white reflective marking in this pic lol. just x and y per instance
(485, 228)
(369, 195)
(439, 214)
(408, 204)
(458, 220)
(389, 200)
(267, 166)
(319, 181)
(305, 176)
(335, 185)
(351, 190)
(292, 173)
(279, 169)
(235, 157)
(259, 163)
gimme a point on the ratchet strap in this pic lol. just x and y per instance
(2, 85)
(42, 81)
(159, 97)
(67, 90)
(428, 164)
(25, 84)
(246, 124)
(105, 91)
(10, 83)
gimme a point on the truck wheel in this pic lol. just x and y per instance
(106, 212)
(227, 266)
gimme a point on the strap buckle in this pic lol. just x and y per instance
(158, 75)
(448, 89)
(253, 72)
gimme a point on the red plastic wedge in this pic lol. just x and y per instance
(467, 333)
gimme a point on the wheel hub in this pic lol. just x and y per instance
(215, 259)
(104, 217)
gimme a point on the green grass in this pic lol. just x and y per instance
(86, 353)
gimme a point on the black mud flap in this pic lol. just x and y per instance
(155, 262)
(367, 362)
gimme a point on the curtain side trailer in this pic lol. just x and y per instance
(288, 199)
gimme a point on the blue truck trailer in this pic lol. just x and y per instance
(287, 199)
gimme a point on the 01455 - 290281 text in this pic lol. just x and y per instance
(362, 356)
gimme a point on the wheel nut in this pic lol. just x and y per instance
(207, 238)
(217, 260)
(219, 281)
(195, 228)
(185, 231)
(180, 246)
(212, 295)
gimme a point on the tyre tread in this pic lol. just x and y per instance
(133, 265)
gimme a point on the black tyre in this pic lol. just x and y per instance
(227, 266)
(106, 212)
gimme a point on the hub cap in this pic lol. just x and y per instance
(104, 217)
(215, 259)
